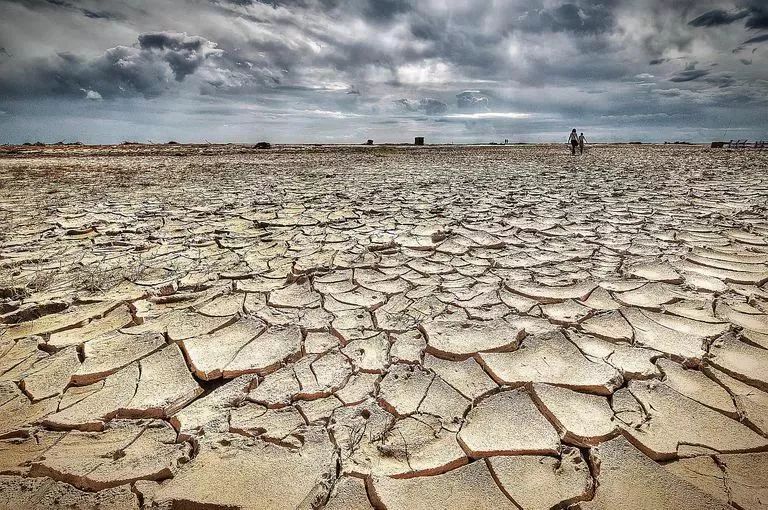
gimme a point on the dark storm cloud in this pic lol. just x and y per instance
(721, 80)
(71, 6)
(756, 40)
(718, 17)
(582, 17)
(385, 10)
(433, 106)
(183, 53)
(689, 75)
(328, 63)
(755, 11)
(758, 14)
(147, 69)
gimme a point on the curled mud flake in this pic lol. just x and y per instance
(741, 361)
(164, 387)
(209, 355)
(122, 453)
(508, 423)
(675, 422)
(69, 318)
(17, 454)
(580, 418)
(544, 482)
(407, 347)
(18, 492)
(655, 272)
(266, 352)
(223, 475)
(106, 355)
(611, 326)
(414, 446)
(49, 376)
(695, 385)
(467, 376)
(650, 296)
(459, 340)
(652, 334)
(552, 359)
(118, 318)
(470, 486)
(627, 479)
(751, 403)
(704, 473)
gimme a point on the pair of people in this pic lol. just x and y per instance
(576, 141)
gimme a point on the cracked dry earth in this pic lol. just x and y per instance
(389, 328)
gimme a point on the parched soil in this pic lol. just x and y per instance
(220, 327)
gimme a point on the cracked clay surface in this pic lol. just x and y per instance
(212, 327)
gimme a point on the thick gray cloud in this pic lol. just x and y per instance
(146, 68)
(758, 14)
(755, 12)
(427, 105)
(579, 17)
(93, 13)
(691, 75)
(718, 17)
(348, 70)
(472, 100)
(756, 39)
(183, 53)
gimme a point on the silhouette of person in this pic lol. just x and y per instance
(582, 140)
(574, 141)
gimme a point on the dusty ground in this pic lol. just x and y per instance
(502, 327)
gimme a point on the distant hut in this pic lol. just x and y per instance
(419, 140)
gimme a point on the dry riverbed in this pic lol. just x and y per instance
(380, 327)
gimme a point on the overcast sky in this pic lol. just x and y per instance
(104, 71)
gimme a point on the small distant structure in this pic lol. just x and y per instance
(740, 144)
(369, 142)
(263, 145)
(419, 140)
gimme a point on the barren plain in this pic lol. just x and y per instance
(217, 327)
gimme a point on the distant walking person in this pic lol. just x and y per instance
(582, 140)
(574, 141)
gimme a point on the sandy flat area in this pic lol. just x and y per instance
(440, 327)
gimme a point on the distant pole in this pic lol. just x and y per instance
(729, 127)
